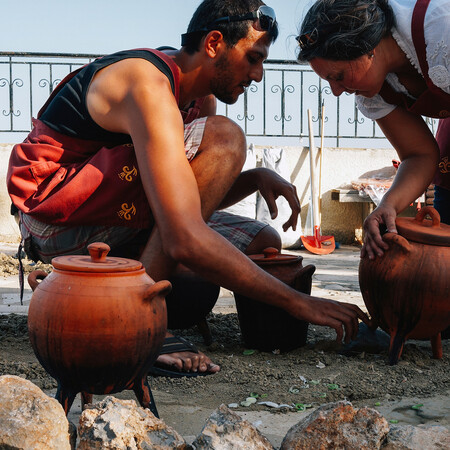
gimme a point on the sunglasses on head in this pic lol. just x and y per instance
(264, 14)
(308, 39)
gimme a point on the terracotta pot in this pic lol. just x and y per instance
(97, 324)
(265, 327)
(407, 291)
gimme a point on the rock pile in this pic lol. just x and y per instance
(29, 419)
(338, 425)
(227, 430)
(114, 424)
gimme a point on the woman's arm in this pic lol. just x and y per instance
(419, 153)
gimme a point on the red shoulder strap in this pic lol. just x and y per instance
(418, 35)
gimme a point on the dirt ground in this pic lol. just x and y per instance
(311, 375)
(306, 377)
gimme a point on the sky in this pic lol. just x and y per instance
(100, 27)
(107, 26)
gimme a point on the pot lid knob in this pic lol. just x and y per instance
(98, 251)
(270, 252)
(424, 231)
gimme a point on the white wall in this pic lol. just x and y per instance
(339, 167)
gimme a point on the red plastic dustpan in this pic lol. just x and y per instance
(317, 244)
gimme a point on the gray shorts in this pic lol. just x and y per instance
(43, 242)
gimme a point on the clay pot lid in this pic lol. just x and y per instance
(96, 262)
(270, 255)
(423, 230)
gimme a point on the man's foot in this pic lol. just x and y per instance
(180, 358)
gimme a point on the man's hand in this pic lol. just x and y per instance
(374, 245)
(343, 317)
(271, 186)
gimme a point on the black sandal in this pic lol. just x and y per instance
(176, 344)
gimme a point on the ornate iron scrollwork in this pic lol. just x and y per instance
(5, 82)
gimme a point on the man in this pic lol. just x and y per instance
(106, 161)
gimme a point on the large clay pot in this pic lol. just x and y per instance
(97, 324)
(407, 291)
(265, 327)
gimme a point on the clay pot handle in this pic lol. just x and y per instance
(98, 251)
(435, 217)
(393, 238)
(35, 278)
(270, 252)
(161, 288)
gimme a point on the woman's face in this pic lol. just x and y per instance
(359, 76)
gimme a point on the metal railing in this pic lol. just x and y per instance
(275, 108)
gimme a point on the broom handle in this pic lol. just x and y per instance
(320, 163)
(314, 199)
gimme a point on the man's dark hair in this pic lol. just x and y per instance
(343, 30)
(210, 10)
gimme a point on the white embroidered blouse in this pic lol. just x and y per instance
(437, 39)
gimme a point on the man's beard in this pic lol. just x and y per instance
(222, 84)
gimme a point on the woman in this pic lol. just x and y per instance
(395, 56)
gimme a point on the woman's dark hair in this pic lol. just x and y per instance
(210, 10)
(343, 30)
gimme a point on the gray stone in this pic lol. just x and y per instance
(409, 437)
(226, 430)
(30, 419)
(122, 424)
(72, 435)
(338, 426)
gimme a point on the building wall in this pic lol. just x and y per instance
(339, 167)
(9, 231)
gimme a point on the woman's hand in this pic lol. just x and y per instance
(418, 150)
(383, 217)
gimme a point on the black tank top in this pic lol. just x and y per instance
(67, 113)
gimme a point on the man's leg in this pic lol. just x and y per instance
(217, 163)
(247, 234)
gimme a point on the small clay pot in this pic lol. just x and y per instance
(266, 327)
(407, 290)
(97, 324)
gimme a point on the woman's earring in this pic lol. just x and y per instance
(371, 55)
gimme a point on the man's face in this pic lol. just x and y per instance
(237, 67)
